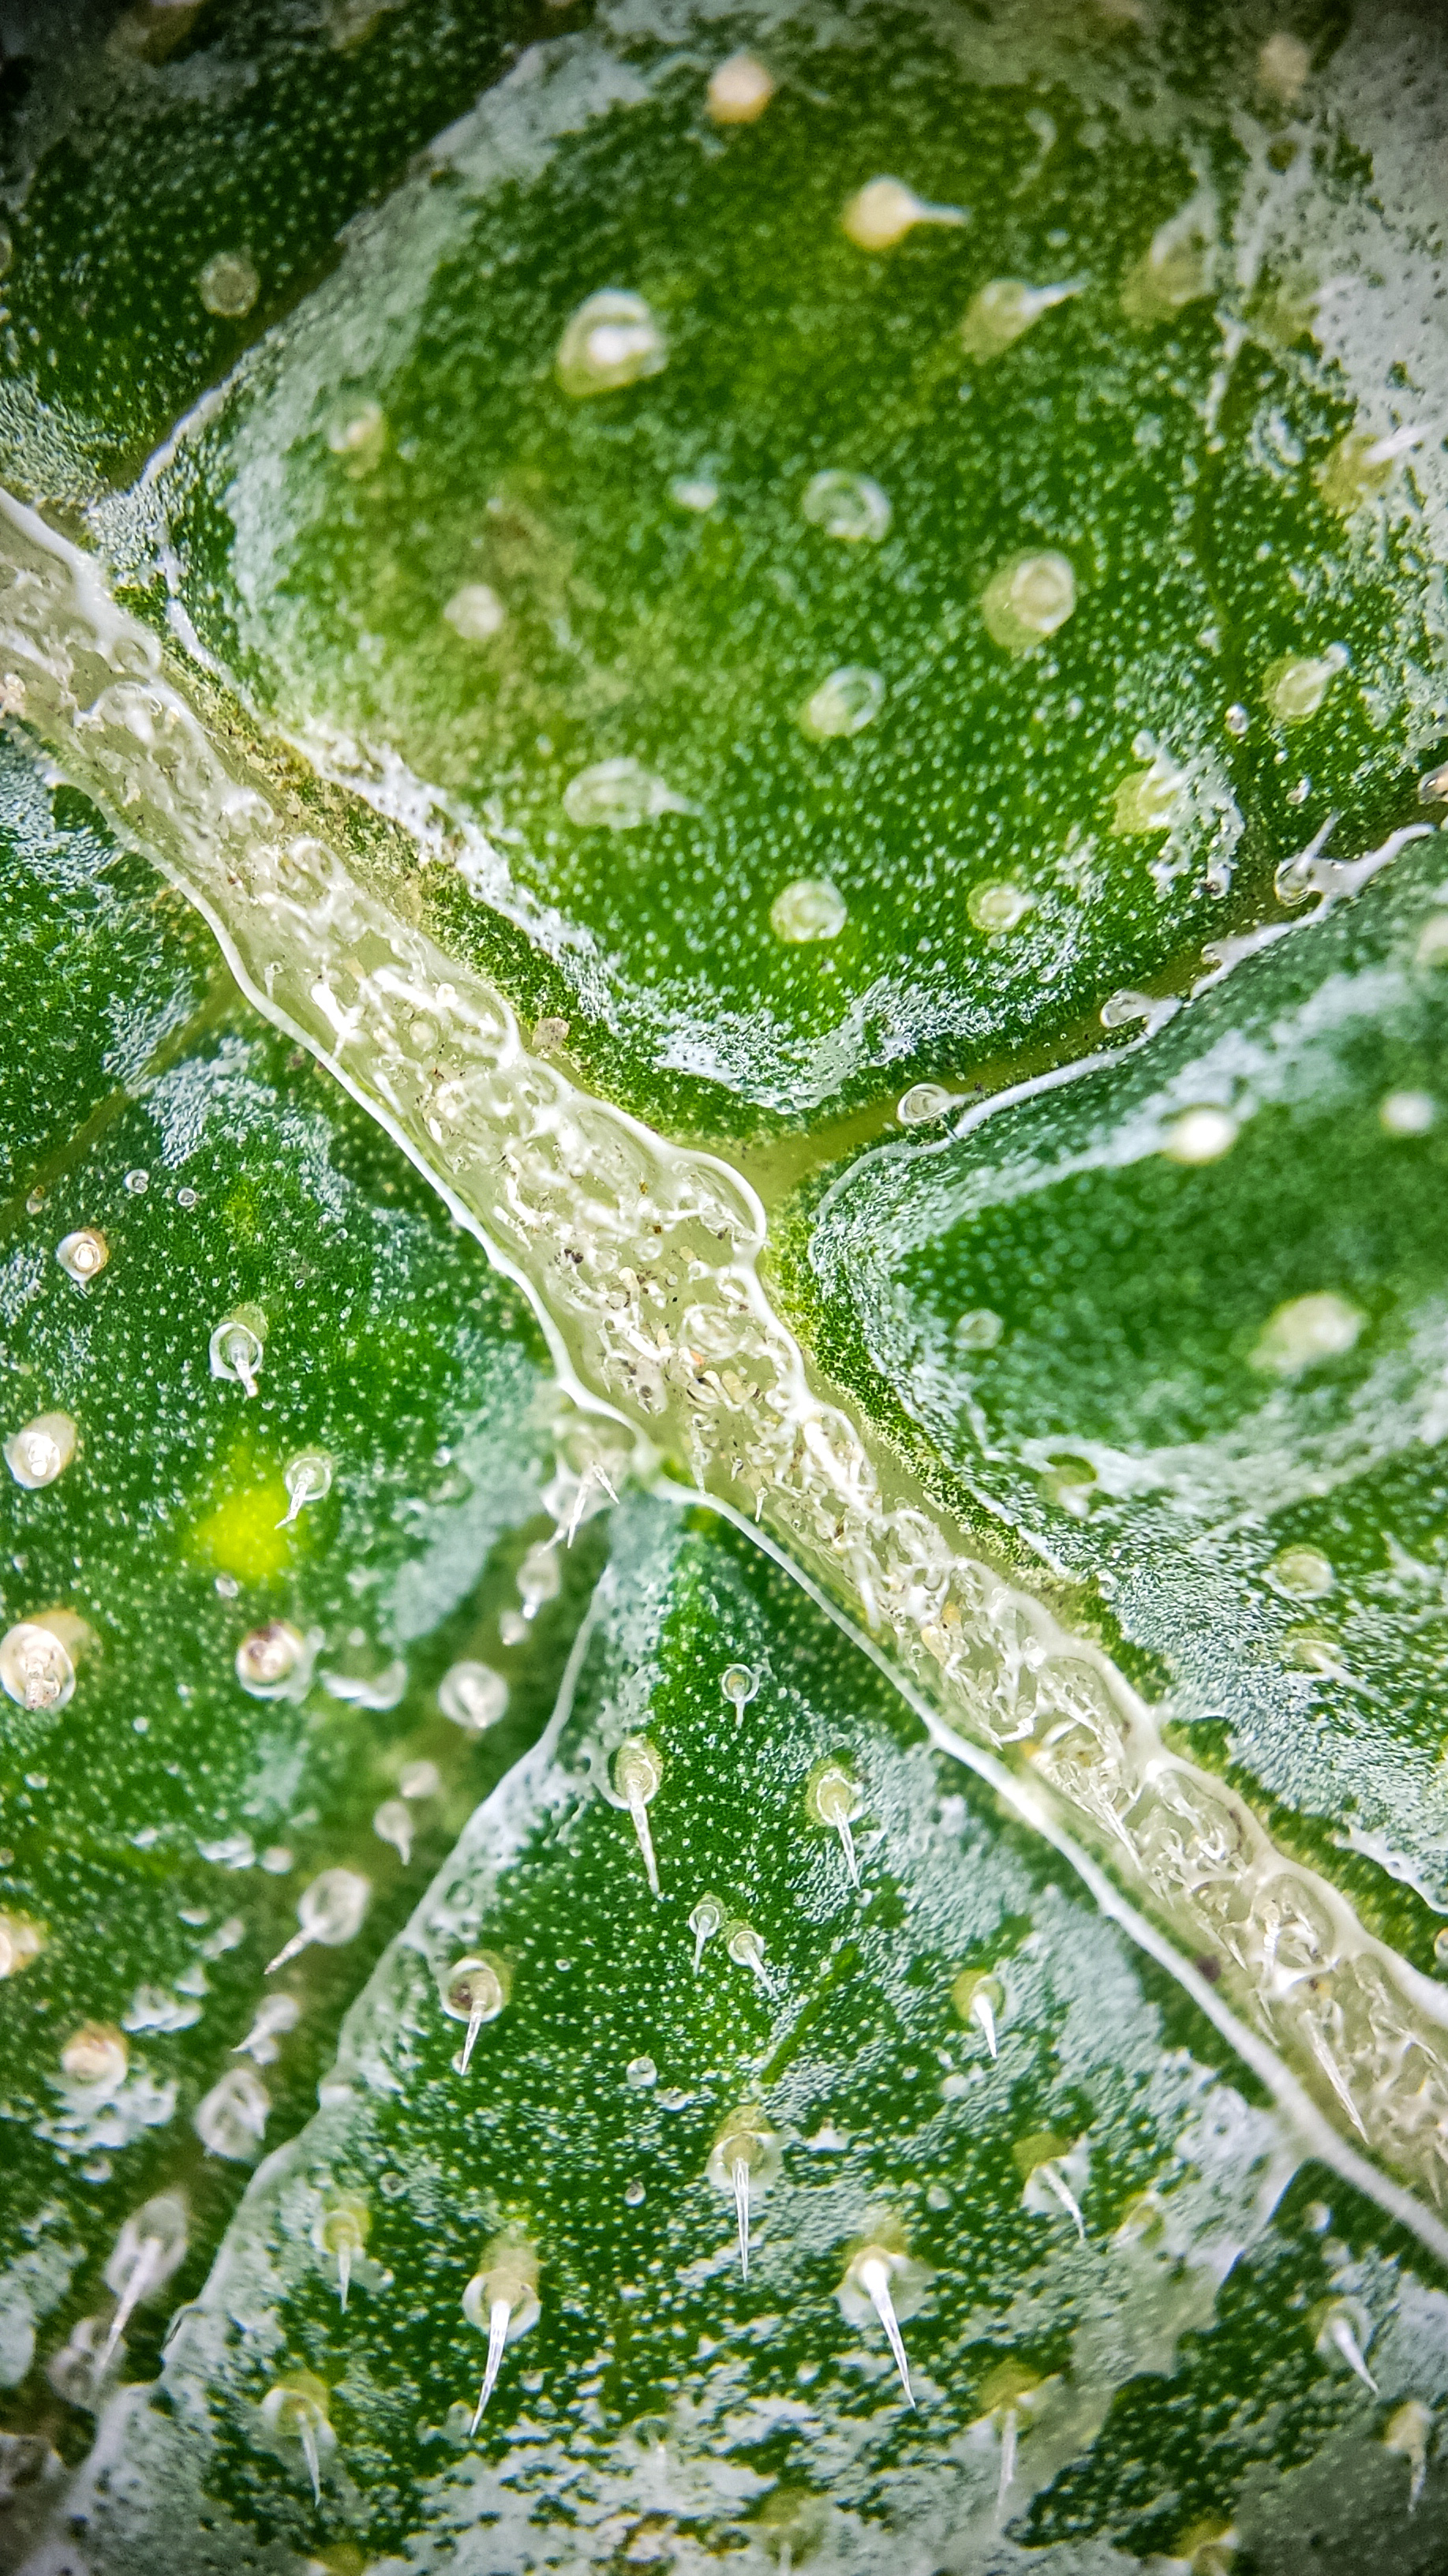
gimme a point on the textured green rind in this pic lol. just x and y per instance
(394, 1349)
(1123, 1421)
(1178, 462)
(661, 2409)
(102, 964)
(137, 143)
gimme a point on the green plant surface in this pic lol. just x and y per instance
(654, 2405)
(1180, 1322)
(176, 173)
(160, 1824)
(757, 779)
(103, 964)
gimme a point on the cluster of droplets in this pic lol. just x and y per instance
(643, 1256)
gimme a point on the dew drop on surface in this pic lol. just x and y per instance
(617, 796)
(420, 1780)
(1283, 67)
(747, 1951)
(849, 506)
(235, 1348)
(1304, 1572)
(633, 2193)
(1028, 598)
(613, 340)
(229, 285)
(811, 908)
(924, 1101)
(740, 90)
(308, 1479)
(330, 1911)
(474, 1990)
(693, 492)
(83, 1255)
(20, 1943)
(1237, 721)
(844, 704)
(35, 1667)
(269, 1659)
(1003, 311)
(882, 212)
(996, 909)
(706, 1919)
(1403, 1113)
(738, 1685)
(475, 613)
(978, 1330)
(1200, 1136)
(96, 2056)
(393, 1824)
(1306, 1331)
(473, 1696)
(41, 1450)
(1147, 801)
(138, 1183)
(832, 1799)
(640, 2072)
(1295, 687)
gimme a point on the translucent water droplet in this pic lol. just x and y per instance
(1028, 598)
(832, 1799)
(1409, 2430)
(229, 285)
(613, 340)
(843, 704)
(236, 1347)
(923, 1102)
(231, 2119)
(1295, 687)
(270, 1660)
(138, 1183)
(1237, 722)
(1150, 800)
(978, 1997)
(640, 2073)
(885, 210)
(308, 1479)
(739, 1686)
(1305, 1332)
(617, 796)
(420, 1780)
(1200, 1136)
(295, 2410)
(36, 1667)
(97, 2058)
(979, 1329)
(810, 908)
(706, 1919)
(41, 1450)
(20, 1943)
(392, 1823)
(637, 1770)
(880, 2278)
(1003, 311)
(693, 492)
(747, 1951)
(330, 1911)
(343, 2226)
(501, 2300)
(1400, 1113)
(275, 2015)
(83, 1255)
(996, 909)
(475, 1990)
(740, 90)
(476, 613)
(1304, 1572)
(744, 2161)
(473, 1696)
(849, 506)
(149, 2248)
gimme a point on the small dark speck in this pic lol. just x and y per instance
(1211, 1969)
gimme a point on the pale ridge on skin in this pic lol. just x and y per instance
(641, 1259)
